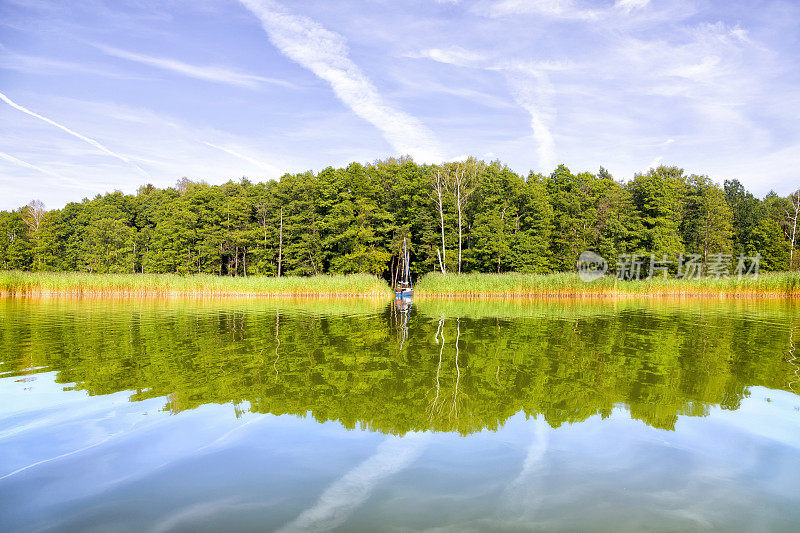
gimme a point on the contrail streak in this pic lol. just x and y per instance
(94, 143)
(346, 494)
(25, 164)
(256, 162)
(326, 54)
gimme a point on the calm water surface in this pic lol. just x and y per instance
(247, 415)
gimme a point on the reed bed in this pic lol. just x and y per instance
(85, 284)
(776, 284)
(434, 285)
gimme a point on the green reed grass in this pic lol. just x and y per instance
(75, 283)
(786, 284)
(569, 284)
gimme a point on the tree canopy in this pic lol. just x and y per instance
(483, 217)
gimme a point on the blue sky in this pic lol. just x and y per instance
(103, 95)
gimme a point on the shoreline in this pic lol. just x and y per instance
(194, 294)
(781, 285)
(606, 296)
(419, 297)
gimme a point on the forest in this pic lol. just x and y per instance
(468, 216)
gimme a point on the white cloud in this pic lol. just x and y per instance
(530, 87)
(630, 5)
(454, 55)
(201, 72)
(655, 162)
(415, 87)
(565, 9)
(325, 53)
(168, 146)
(73, 133)
(534, 92)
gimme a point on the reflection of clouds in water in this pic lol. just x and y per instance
(522, 494)
(225, 437)
(341, 498)
(194, 513)
(620, 474)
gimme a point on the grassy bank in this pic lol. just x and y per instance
(783, 284)
(74, 283)
(779, 284)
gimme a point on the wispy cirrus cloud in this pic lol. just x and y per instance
(29, 64)
(533, 92)
(454, 55)
(326, 54)
(213, 73)
(346, 494)
(630, 5)
(272, 169)
(25, 164)
(529, 84)
(92, 142)
(566, 9)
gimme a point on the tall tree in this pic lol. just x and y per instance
(439, 186)
(746, 211)
(792, 214)
(706, 226)
(461, 181)
(658, 196)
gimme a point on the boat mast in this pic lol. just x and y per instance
(406, 266)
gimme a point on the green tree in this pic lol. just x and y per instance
(658, 196)
(707, 222)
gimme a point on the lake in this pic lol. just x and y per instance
(253, 415)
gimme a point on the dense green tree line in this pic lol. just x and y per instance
(457, 217)
(453, 366)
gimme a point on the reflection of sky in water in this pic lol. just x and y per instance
(72, 461)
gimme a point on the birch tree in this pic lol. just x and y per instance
(792, 215)
(34, 212)
(439, 188)
(462, 182)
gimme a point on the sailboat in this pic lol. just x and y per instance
(404, 287)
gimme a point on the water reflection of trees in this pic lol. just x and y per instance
(454, 372)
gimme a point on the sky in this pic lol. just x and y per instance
(105, 95)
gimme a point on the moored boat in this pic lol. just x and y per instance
(404, 288)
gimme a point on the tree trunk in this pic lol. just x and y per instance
(500, 242)
(280, 245)
(244, 261)
(236, 262)
(458, 203)
(705, 242)
(443, 259)
(313, 264)
(393, 272)
(796, 205)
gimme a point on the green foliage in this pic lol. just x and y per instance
(354, 220)
(658, 196)
(707, 222)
